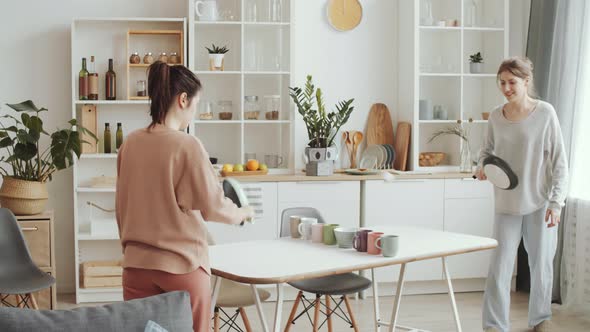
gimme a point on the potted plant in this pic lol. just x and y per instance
(216, 56)
(322, 126)
(466, 163)
(25, 167)
(476, 63)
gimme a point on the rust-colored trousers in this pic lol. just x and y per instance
(138, 283)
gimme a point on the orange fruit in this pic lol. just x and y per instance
(252, 165)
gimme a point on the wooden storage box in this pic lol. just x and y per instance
(101, 274)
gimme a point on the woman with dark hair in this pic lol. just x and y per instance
(166, 189)
(525, 133)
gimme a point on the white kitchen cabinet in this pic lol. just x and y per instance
(416, 203)
(469, 209)
(338, 202)
(263, 198)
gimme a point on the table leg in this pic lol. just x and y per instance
(451, 295)
(375, 301)
(215, 293)
(278, 308)
(398, 297)
(259, 308)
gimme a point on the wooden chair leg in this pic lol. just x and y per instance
(33, 301)
(216, 319)
(293, 311)
(245, 320)
(356, 329)
(329, 313)
(20, 301)
(316, 315)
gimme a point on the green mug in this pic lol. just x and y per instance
(329, 236)
(389, 245)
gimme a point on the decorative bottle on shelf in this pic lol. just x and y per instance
(471, 13)
(107, 138)
(111, 83)
(119, 136)
(274, 11)
(92, 81)
(83, 82)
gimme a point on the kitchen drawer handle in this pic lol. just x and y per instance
(28, 229)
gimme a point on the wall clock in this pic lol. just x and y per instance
(344, 15)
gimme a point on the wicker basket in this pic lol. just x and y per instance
(23, 197)
(427, 159)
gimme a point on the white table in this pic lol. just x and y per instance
(285, 260)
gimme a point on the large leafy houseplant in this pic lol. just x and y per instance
(322, 126)
(24, 163)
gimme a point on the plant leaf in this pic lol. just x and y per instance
(25, 151)
(25, 106)
(24, 137)
(63, 143)
(5, 142)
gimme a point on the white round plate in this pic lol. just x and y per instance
(361, 171)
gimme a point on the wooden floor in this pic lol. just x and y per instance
(430, 312)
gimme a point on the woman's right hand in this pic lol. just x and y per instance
(480, 175)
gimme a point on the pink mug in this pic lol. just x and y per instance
(317, 233)
(371, 238)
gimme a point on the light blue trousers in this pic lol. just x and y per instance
(540, 243)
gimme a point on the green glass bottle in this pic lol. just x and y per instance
(107, 138)
(83, 88)
(119, 136)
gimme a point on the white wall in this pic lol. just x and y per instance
(35, 64)
(360, 64)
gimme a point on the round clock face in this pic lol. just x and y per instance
(344, 15)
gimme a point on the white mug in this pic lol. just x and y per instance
(305, 227)
(209, 10)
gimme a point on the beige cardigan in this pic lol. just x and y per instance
(166, 189)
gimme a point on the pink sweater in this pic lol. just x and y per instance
(166, 189)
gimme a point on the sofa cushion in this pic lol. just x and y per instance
(171, 310)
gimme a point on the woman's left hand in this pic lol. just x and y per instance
(552, 218)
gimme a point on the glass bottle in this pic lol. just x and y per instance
(107, 138)
(251, 11)
(83, 82)
(471, 14)
(110, 83)
(119, 136)
(466, 163)
(275, 11)
(92, 81)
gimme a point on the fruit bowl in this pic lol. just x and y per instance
(431, 158)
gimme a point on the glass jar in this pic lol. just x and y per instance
(251, 104)
(141, 88)
(173, 59)
(225, 106)
(205, 110)
(148, 58)
(163, 57)
(272, 104)
(134, 58)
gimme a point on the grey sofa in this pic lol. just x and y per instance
(172, 311)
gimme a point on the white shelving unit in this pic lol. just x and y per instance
(441, 72)
(106, 38)
(258, 63)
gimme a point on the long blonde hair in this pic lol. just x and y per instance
(520, 67)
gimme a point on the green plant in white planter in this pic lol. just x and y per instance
(476, 63)
(26, 168)
(216, 57)
(322, 127)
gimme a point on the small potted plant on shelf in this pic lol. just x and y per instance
(216, 56)
(476, 63)
(322, 126)
(25, 168)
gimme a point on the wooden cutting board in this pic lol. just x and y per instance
(402, 145)
(379, 125)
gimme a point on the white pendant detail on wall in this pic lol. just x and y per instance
(344, 15)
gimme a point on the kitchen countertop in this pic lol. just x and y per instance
(301, 177)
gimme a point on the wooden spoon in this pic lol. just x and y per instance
(356, 140)
(348, 141)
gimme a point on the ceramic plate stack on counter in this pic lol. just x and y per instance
(378, 156)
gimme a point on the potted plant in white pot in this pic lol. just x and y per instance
(476, 63)
(25, 167)
(216, 57)
(322, 126)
